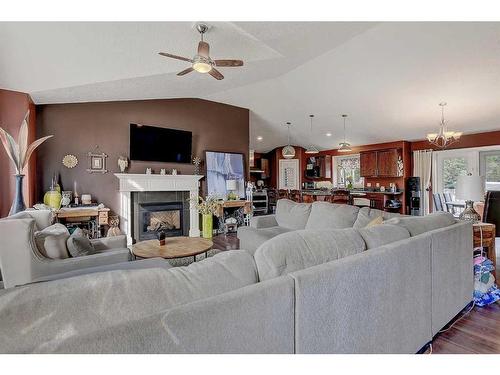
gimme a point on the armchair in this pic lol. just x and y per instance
(22, 263)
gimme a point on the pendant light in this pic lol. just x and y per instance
(443, 138)
(311, 149)
(288, 151)
(344, 146)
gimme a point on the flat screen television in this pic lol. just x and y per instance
(151, 143)
(223, 166)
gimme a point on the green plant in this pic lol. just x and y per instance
(20, 152)
(207, 206)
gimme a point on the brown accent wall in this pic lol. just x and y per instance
(78, 128)
(13, 107)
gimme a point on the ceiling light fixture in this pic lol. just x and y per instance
(311, 149)
(344, 146)
(259, 138)
(443, 138)
(288, 151)
(328, 134)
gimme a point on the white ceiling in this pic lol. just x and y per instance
(389, 77)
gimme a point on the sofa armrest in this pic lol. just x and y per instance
(107, 243)
(58, 266)
(265, 221)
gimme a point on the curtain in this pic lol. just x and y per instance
(422, 167)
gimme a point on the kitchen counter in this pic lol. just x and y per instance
(352, 192)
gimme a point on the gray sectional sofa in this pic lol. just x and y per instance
(329, 288)
(292, 216)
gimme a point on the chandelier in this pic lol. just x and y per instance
(288, 151)
(444, 137)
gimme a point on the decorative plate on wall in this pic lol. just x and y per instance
(70, 161)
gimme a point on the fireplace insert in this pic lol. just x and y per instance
(160, 217)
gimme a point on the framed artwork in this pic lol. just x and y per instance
(97, 161)
(224, 166)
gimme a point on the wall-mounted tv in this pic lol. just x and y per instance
(222, 166)
(151, 143)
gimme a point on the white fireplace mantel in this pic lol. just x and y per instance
(154, 182)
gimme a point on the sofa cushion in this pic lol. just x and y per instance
(58, 310)
(301, 249)
(51, 241)
(325, 215)
(379, 235)
(420, 224)
(251, 238)
(292, 215)
(79, 245)
(367, 214)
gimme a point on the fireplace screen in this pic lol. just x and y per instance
(160, 217)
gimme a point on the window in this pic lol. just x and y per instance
(450, 164)
(346, 171)
(489, 166)
(452, 168)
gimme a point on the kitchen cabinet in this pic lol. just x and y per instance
(368, 164)
(387, 162)
(382, 163)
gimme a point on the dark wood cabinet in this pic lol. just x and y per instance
(387, 162)
(368, 164)
(383, 163)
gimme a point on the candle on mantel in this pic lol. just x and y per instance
(75, 193)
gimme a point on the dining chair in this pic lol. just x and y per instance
(438, 202)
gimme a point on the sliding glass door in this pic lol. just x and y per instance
(489, 166)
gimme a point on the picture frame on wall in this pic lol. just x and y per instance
(97, 161)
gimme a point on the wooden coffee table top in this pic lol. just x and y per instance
(175, 247)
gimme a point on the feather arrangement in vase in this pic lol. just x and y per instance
(20, 152)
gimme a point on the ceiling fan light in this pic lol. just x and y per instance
(201, 64)
(202, 67)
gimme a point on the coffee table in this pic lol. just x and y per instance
(175, 247)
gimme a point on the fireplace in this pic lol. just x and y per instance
(160, 217)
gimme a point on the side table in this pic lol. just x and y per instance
(484, 235)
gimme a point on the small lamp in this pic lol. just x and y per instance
(231, 188)
(470, 188)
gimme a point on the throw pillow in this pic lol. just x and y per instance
(378, 220)
(79, 245)
(51, 241)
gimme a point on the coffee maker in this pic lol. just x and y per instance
(413, 196)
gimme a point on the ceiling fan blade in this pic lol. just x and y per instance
(203, 49)
(175, 57)
(216, 74)
(228, 63)
(185, 71)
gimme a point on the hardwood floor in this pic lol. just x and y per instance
(226, 242)
(478, 332)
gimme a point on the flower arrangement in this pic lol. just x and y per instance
(207, 206)
(20, 152)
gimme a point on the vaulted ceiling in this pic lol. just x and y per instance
(388, 77)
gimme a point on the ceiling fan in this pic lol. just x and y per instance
(201, 62)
